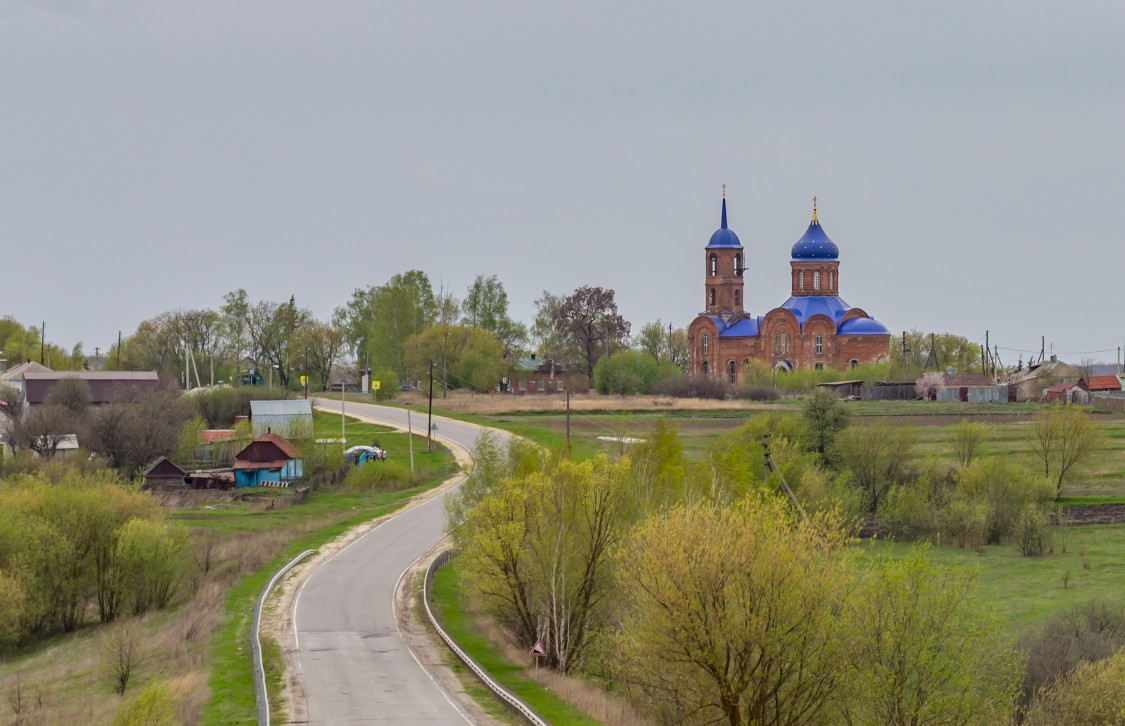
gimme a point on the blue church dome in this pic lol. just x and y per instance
(815, 245)
(862, 326)
(724, 237)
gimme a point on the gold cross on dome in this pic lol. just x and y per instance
(724, 191)
(814, 204)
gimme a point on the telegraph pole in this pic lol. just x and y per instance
(568, 419)
(43, 343)
(430, 412)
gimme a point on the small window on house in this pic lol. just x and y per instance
(714, 265)
(558, 384)
(539, 385)
(733, 371)
(854, 363)
(819, 344)
(801, 280)
(706, 368)
(706, 344)
(712, 296)
(816, 280)
(523, 384)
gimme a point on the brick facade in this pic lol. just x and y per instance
(810, 330)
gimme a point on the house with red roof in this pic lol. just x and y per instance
(268, 460)
(1104, 384)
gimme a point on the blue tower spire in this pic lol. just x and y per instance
(724, 236)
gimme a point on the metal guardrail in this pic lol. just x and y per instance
(260, 694)
(516, 704)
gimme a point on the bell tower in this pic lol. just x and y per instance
(725, 264)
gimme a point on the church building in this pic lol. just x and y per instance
(814, 328)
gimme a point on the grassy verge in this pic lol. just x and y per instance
(461, 627)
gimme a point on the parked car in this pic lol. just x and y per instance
(360, 454)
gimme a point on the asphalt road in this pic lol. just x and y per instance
(355, 668)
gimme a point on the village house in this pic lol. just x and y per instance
(268, 460)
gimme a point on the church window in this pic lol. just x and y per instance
(738, 264)
(706, 344)
(819, 344)
(801, 280)
(819, 366)
(854, 363)
(831, 280)
(712, 296)
(706, 368)
(736, 296)
(732, 371)
(816, 280)
(781, 343)
(714, 265)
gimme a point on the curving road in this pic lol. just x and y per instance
(355, 668)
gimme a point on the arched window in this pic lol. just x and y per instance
(854, 363)
(706, 368)
(816, 280)
(736, 297)
(732, 371)
(738, 264)
(714, 265)
(781, 343)
(801, 280)
(706, 344)
(712, 296)
(831, 280)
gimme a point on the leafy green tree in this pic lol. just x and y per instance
(474, 357)
(537, 552)
(1004, 488)
(877, 455)
(403, 307)
(949, 351)
(729, 614)
(921, 649)
(626, 372)
(965, 438)
(232, 323)
(154, 705)
(824, 416)
(486, 306)
(1063, 438)
(13, 602)
(148, 561)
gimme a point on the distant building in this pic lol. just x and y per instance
(814, 328)
(292, 418)
(105, 386)
(1104, 384)
(163, 474)
(538, 375)
(1033, 382)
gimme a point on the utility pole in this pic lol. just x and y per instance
(430, 413)
(118, 350)
(343, 430)
(306, 372)
(568, 419)
(43, 343)
(669, 342)
(410, 439)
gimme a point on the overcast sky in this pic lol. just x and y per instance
(968, 156)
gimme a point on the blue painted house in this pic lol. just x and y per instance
(268, 461)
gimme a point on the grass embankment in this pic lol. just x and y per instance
(462, 627)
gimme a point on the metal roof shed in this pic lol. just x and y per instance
(292, 418)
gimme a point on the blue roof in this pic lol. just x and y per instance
(863, 326)
(806, 306)
(724, 237)
(815, 245)
(745, 328)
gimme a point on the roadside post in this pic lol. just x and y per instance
(538, 651)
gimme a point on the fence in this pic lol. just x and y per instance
(1109, 403)
(516, 704)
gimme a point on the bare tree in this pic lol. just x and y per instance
(44, 429)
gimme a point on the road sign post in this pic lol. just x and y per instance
(538, 651)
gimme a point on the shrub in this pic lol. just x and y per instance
(1087, 632)
(967, 523)
(1005, 489)
(912, 509)
(1093, 693)
(711, 387)
(755, 393)
(382, 475)
(1032, 531)
(155, 705)
(626, 372)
